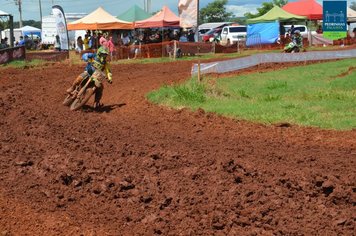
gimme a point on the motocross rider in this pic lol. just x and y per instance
(297, 39)
(102, 71)
(88, 71)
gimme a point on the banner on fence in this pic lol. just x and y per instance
(10, 54)
(61, 25)
(334, 19)
(188, 13)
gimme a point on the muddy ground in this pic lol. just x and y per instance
(134, 168)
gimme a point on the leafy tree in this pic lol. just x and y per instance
(239, 20)
(214, 12)
(266, 6)
(353, 6)
(32, 23)
(4, 23)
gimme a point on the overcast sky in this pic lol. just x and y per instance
(30, 8)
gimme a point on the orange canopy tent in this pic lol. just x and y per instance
(99, 20)
(309, 8)
(163, 18)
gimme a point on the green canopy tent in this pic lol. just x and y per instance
(135, 13)
(276, 14)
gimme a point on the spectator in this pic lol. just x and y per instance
(137, 45)
(319, 30)
(111, 47)
(354, 31)
(86, 42)
(292, 30)
(126, 40)
(183, 38)
(93, 44)
(57, 43)
(191, 36)
(21, 42)
(282, 30)
(80, 43)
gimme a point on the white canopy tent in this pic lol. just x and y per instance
(351, 15)
(2, 13)
(31, 32)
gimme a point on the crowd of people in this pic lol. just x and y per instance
(132, 39)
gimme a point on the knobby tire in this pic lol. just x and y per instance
(82, 100)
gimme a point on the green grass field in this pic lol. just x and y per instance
(320, 95)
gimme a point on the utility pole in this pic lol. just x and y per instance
(19, 3)
(40, 5)
(149, 6)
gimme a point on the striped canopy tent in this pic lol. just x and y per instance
(99, 20)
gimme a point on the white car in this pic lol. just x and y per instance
(232, 34)
(302, 28)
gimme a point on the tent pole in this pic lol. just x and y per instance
(11, 25)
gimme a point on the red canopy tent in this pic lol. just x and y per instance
(309, 8)
(164, 18)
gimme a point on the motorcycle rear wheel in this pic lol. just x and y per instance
(82, 100)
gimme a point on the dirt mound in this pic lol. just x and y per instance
(137, 168)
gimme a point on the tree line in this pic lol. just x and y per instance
(216, 11)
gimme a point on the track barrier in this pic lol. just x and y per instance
(254, 60)
(10, 54)
(48, 56)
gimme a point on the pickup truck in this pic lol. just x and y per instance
(233, 34)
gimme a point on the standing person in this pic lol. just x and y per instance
(86, 42)
(93, 41)
(191, 36)
(111, 47)
(57, 43)
(80, 43)
(126, 40)
(21, 42)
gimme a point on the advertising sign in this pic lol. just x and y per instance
(334, 19)
(61, 26)
(188, 13)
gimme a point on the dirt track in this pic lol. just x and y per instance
(136, 168)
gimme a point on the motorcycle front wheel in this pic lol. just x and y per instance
(68, 100)
(82, 99)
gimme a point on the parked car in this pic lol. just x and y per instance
(233, 34)
(211, 34)
(302, 28)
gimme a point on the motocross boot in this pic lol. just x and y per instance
(75, 83)
(98, 96)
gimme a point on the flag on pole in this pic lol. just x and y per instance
(188, 13)
(61, 25)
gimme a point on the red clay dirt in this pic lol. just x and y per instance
(134, 168)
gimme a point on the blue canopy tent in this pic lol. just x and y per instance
(262, 33)
(31, 32)
(265, 29)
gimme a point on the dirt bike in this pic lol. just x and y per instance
(291, 47)
(81, 94)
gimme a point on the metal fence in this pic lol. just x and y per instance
(254, 60)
